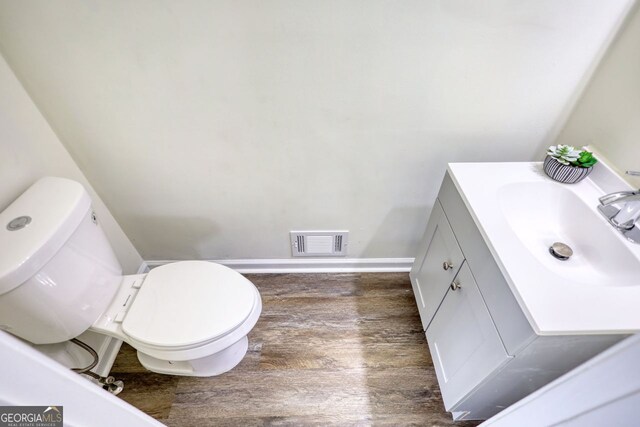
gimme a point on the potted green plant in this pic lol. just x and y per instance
(567, 165)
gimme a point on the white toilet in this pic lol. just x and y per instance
(59, 277)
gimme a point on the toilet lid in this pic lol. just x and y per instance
(188, 303)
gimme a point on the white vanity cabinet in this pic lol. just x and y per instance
(485, 353)
(477, 349)
(440, 262)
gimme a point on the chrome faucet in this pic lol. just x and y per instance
(623, 218)
(620, 196)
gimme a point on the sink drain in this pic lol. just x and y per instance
(561, 251)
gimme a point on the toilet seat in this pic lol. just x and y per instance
(183, 310)
(187, 304)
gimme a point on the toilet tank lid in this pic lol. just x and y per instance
(36, 225)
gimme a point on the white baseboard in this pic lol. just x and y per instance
(334, 265)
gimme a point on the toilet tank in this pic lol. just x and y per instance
(58, 272)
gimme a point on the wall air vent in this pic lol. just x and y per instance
(319, 243)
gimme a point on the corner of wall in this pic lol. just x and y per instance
(33, 150)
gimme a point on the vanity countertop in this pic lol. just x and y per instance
(520, 212)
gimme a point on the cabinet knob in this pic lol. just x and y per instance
(447, 265)
(455, 286)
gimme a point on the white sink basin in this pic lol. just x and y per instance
(520, 213)
(541, 213)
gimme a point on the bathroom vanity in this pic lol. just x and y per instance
(501, 315)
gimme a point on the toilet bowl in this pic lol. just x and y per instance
(184, 318)
(59, 277)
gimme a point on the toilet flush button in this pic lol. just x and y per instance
(19, 223)
(120, 316)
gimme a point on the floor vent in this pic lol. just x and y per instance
(319, 243)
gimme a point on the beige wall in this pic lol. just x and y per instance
(608, 114)
(212, 128)
(30, 150)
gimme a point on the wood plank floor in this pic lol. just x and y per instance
(329, 349)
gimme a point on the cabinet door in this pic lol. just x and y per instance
(464, 343)
(436, 265)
